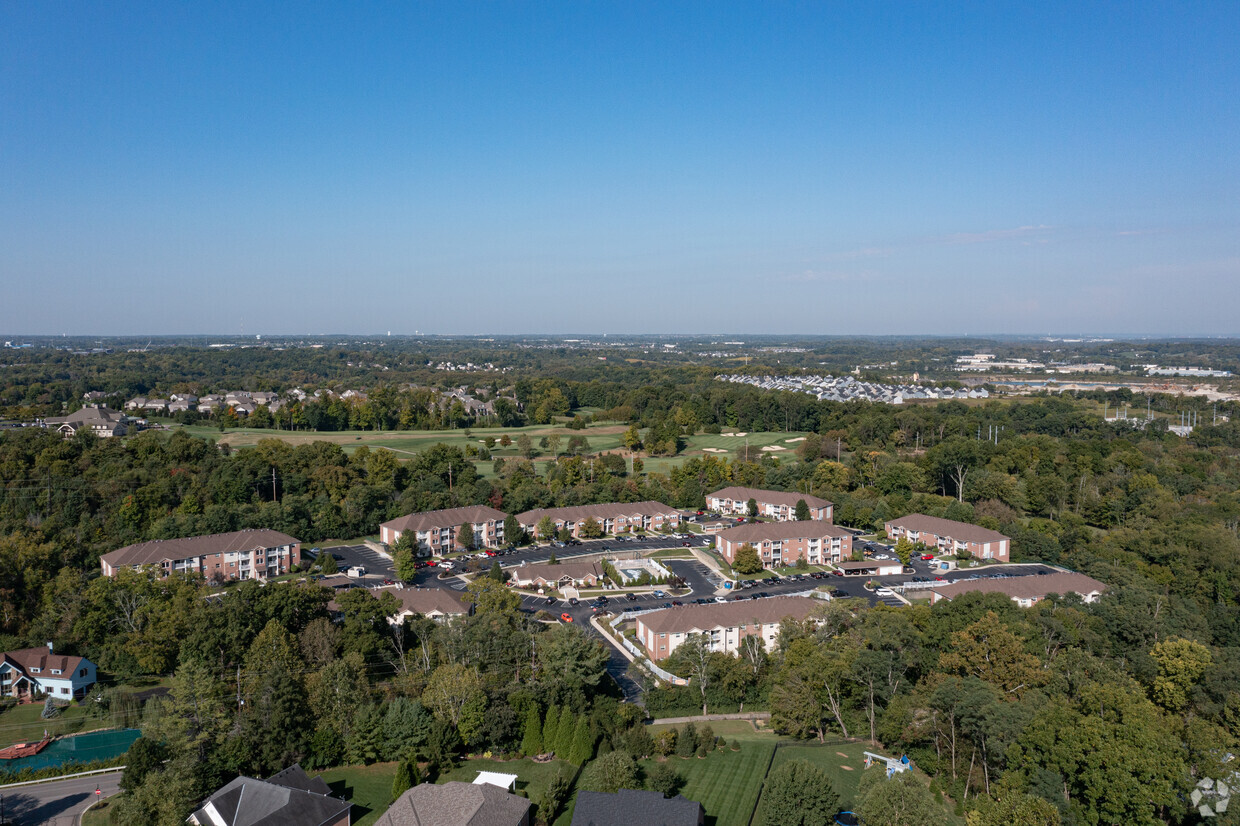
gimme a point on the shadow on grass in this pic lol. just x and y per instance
(344, 790)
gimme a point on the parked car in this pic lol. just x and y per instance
(677, 603)
(927, 557)
(566, 617)
(550, 601)
(658, 594)
(573, 601)
(884, 592)
(631, 597)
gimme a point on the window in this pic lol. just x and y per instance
(64, 691)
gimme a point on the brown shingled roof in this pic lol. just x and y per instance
(455, 804)
(960, 531)
(43, 659)
(728, 614)
(608, 510)
(761, 531)
(158, 550)
(774, 497)
(1024, 587)
(449, 518)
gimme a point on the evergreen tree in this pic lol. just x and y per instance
(531, 742)
(564, 735)
(513, 533)
(583, 742)
(802, 512)
(326, 562)
(497, 572)
(403, 781)
(465, 536)
(551, 727)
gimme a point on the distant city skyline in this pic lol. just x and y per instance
(1045, 169)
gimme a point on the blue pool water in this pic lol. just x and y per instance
(80, 748)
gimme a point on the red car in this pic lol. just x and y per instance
(927, 557)
(566, 617)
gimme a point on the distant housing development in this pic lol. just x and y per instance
(725, 625)
(100, 421)
(251, 554)
(436, 531)
(784, 543)
(774, 504)
(1024, 590)
(950, 537)
(615, 517)
(847, 388)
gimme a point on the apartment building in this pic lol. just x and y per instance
(436, 531)
(1023, 590)
(725, 624)
(783, 543)
(772, 504)
(950, 537)
(250, 554)
(613, 517)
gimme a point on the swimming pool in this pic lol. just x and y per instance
(79, 748)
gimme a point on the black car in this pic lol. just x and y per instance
(550, 600)
(573, 600)
(760, 595)
(631, 597)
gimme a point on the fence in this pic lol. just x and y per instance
(642, 660)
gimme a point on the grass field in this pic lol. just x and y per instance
(368, 788)
(602, 437)
(22, 724)
(532, 778)
(727, 783)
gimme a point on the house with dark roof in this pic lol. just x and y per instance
(784, 543)
(457, 804)
(249, 554)
(436, 531)
(773, 504)
(41, 671)
(1023, 590)
(612, 517)
(287, 798)
(438, 604)
(725, 624)
(101, 421)
(947, 536)
(630, 806)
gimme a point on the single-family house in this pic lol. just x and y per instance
(41, 671)
(438, 604)
(100, 421)
(457, 804)
(631, 806)
(287, 797)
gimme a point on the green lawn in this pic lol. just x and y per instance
(22, 724)
(726, 783)
(729, 730)
(368, 788)
(532, 778)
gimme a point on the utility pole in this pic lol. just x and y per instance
(273, 484)
(238, 686)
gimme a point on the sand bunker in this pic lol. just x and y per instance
(797, 439)
(714, 450)
(773, 447)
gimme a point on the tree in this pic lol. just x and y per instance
(1181, 663)
(326, 562)
(496, 574)
(545, 529)
(514, 534)
(144, 756)
(553, 797)
(802, 511)
(900, 800)
(454, 694)
(752, 507)
(632, 440)
(1008, 805)
(531, 740)
(492, 598)
(406, 777)
(583, 742)
(610, 773)
(797, 793)
(988, 650)
(564, 735)
(904, 550)
(551, 727)
(590, 529)
(747, 560)
(525, 445)
(465, 536)
(664, 779)
(404, 555)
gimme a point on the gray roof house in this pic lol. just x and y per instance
(457, 804)
(287, 798)
(628, 806)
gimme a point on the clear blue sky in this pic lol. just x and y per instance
(456, 167)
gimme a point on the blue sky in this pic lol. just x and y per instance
(620, 167)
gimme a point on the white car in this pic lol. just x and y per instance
(884, 592)
(447, 564)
